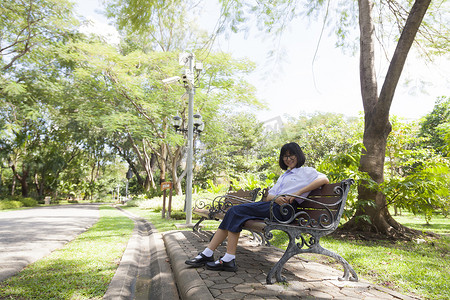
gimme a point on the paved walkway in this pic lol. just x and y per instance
(30, 234)
(306, 279)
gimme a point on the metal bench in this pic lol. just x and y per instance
(318, 215)
(216, 209)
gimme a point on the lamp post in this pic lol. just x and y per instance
(199, 126)
(188, 78)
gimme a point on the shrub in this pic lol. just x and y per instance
(28, 202)
(178, 215)
(10, 204)
(133, 203)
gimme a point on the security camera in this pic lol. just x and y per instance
(171, 80)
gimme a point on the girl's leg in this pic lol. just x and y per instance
(218, 238)
(227, 262)
(233, 239)
(207, 255)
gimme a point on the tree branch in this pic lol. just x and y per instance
(399, 58)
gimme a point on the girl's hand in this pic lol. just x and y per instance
(284, 199)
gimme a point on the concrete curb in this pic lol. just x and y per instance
(190, 285)
(155, 279)
(144, 271)
(123, 282)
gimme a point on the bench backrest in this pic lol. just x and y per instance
(326, 206)
(251, 195)
(233, 197)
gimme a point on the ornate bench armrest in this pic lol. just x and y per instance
(203, 203)
(320, 216)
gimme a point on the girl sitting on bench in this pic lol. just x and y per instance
(297, 180)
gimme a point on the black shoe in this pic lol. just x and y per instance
(198, 262)
(222, 266)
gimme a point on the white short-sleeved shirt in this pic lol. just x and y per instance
(293, 180)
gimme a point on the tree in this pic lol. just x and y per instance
(29, 25)
(433, 128)
(124, 97)
(156, 25)
(233, 149)
(29, 30)
(416, 175)
(321, 134)
(169, 26)
(275, 17)
(376, 119)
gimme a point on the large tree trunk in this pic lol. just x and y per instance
(377, 126)
(145, 162)
(23, 179)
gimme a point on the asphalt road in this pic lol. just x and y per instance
(28, 235)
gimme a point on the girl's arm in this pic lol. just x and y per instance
(312, 186)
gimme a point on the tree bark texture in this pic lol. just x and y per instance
(145, 162)
(376, 110)
(23, 179)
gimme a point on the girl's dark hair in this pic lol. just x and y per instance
(292, 149)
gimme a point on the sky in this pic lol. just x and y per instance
(303, 81)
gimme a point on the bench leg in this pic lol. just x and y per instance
(197, 225)
(291, 250)
(311, 246)
(259, 236)
(347, 268)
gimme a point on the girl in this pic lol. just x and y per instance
(297, 180)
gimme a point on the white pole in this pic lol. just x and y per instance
(190, 144)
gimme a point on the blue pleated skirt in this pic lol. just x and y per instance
(237, 215)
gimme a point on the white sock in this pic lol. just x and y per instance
(207, 252)
(228, 257)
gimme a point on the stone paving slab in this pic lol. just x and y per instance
(305, 279)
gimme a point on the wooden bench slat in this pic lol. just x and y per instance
(324, 202)
(327, 189)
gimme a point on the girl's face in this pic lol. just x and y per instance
(290, 160)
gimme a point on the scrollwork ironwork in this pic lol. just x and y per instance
(307, 228)
(202, 203)
(304, 218)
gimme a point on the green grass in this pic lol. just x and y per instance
(163, 225)
(408, 267)
(438, 224)
(82, 269)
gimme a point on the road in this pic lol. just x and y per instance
(28, 235)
